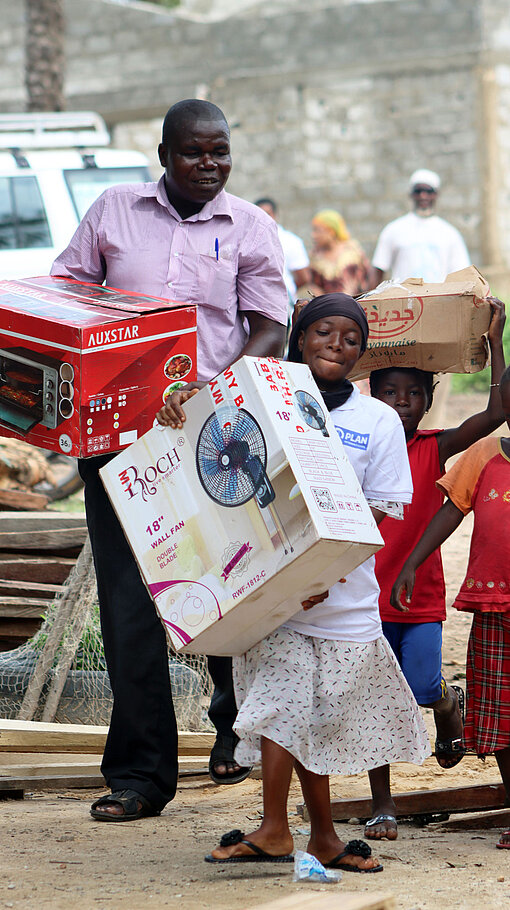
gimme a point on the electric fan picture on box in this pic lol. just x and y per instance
(250, 504)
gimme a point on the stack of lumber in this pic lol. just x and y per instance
(37, 553)
(424, 804)
(51, 756)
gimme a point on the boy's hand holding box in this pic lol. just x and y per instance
(246, 510)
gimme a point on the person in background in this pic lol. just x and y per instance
(338, 263)
(421, 245)
(296, 271)
(183, 238)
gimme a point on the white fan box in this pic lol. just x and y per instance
(248, 509)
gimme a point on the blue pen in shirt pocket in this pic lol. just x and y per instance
(217, 249)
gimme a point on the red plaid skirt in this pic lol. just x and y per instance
(487, 726)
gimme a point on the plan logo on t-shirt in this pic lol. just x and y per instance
(353, 439)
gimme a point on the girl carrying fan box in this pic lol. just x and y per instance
(324, 692)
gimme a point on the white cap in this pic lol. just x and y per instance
(428, 178)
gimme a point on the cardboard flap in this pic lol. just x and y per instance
(466, 281)
(96, 295)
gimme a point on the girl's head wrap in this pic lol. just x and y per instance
(321, 308)
(332, 219)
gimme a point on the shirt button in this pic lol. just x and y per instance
(169, 284)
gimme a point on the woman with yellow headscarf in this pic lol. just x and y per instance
(337, 261)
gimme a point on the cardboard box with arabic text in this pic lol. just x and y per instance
(247, 509)
(436, 327)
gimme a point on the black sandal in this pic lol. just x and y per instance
(128, 800)
(258, 856)
(353, 848)
(452, 749)
(223, 753)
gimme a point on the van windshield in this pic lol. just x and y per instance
(86, 184)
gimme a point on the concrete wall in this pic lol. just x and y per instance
(330, 103)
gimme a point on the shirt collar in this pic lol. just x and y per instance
(352, 400)
(220, 205)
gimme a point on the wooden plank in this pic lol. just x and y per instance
(35, 736)
(21, 629)
(499, 818)
(20, 587)
(43, 539)
(335, 899)
(23, 607)
(22, 499)
(52, 782)
(46, 569)
(33, 521)
(44, 769)
(479, 797)
(8, 644)
(72, 779)
(195, 743)
(66, 767)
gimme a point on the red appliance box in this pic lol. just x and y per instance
(83, 368)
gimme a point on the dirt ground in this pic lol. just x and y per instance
(54, 855)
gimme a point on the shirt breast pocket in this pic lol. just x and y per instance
(216, 282)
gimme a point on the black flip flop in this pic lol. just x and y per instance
(129, 800)
(353, 848)
(259, 855)
(222, 753)
(452, 749)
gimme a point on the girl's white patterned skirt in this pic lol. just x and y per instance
(338, 707)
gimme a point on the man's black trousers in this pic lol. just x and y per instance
(141, 747)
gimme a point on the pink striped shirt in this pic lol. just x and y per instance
(227, 259)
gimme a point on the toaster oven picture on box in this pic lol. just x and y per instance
(83, 368)
(252, 504)
(34, 388)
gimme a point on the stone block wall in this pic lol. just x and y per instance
(330, 103)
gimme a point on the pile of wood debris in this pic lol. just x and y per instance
(30, 478)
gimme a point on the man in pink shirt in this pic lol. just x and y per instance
(183, 238)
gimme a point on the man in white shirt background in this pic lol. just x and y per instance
(296, 268)
(420, 244)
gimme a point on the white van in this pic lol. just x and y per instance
(52, 167)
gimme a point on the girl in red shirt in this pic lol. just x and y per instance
(416, 635)
(480, 482)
